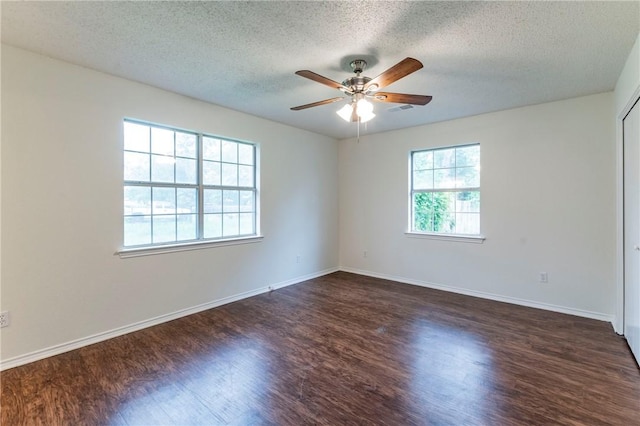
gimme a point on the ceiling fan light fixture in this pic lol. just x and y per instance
(345, 112)
(364, 107)
(364, 110)
(364, 117)
(360, 110)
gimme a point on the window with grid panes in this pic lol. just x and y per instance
(445, 190)
(182, 186)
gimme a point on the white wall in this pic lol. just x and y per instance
(548, 204)
(62, 207)
(626, 92)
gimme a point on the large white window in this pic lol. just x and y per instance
(445, 190)
(182, 186)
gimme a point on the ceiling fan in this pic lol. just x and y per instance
(361, 88)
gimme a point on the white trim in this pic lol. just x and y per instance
(99, 337)
(477, 239)
(630, 103)
(484, 295)
(126, 253)
(618, 321)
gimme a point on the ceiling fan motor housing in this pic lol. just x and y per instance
(356, 84)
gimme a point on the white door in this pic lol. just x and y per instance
(631, 129)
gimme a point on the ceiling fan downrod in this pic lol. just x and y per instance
(358, 65)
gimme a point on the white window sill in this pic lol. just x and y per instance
(126, 253)
(476, 239)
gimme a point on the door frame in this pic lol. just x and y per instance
(618, 323)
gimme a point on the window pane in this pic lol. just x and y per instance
(423, 212)
(444, 222)
(423, 160)
(230, 202)
(211, 173)
(186, 144)
(212, 201)
(444, 178)
(442, 206)
(229, 152)
(467, 223)
(230, 225)
(245, 175)
(443, 158)
(164, 228)
(229, 174)
(245, 153)
(162, 168)
(467, 177)
(212, 225)
(137, 200)
(246, 201)
(246, 224)
(468, 201)
(186, 171)
(468, 156)
(433, 211)
(136, 167)
(187, 200)
(447, 212)
(136, 137)
(445, 201)
(164, 201)
(187, 226)
(162, 141)
(137, 230)
(210, 148)
(423, 179)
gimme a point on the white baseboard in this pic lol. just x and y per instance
(99, 337)
(484, 295)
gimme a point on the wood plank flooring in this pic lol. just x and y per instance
(342, 349)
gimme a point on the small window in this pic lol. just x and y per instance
(445, 190)
(182, 186)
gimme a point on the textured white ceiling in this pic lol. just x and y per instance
(478, 56)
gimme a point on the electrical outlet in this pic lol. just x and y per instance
(5, 320)
(544, 277)
(298, 259)
(364, 254)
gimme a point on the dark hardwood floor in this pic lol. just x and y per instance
(342, 349)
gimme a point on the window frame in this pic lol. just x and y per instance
(200, 187)
(446, 236)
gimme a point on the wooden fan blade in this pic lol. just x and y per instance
(395, 73)
(326, 101)
(401, 98)
(322, 80)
